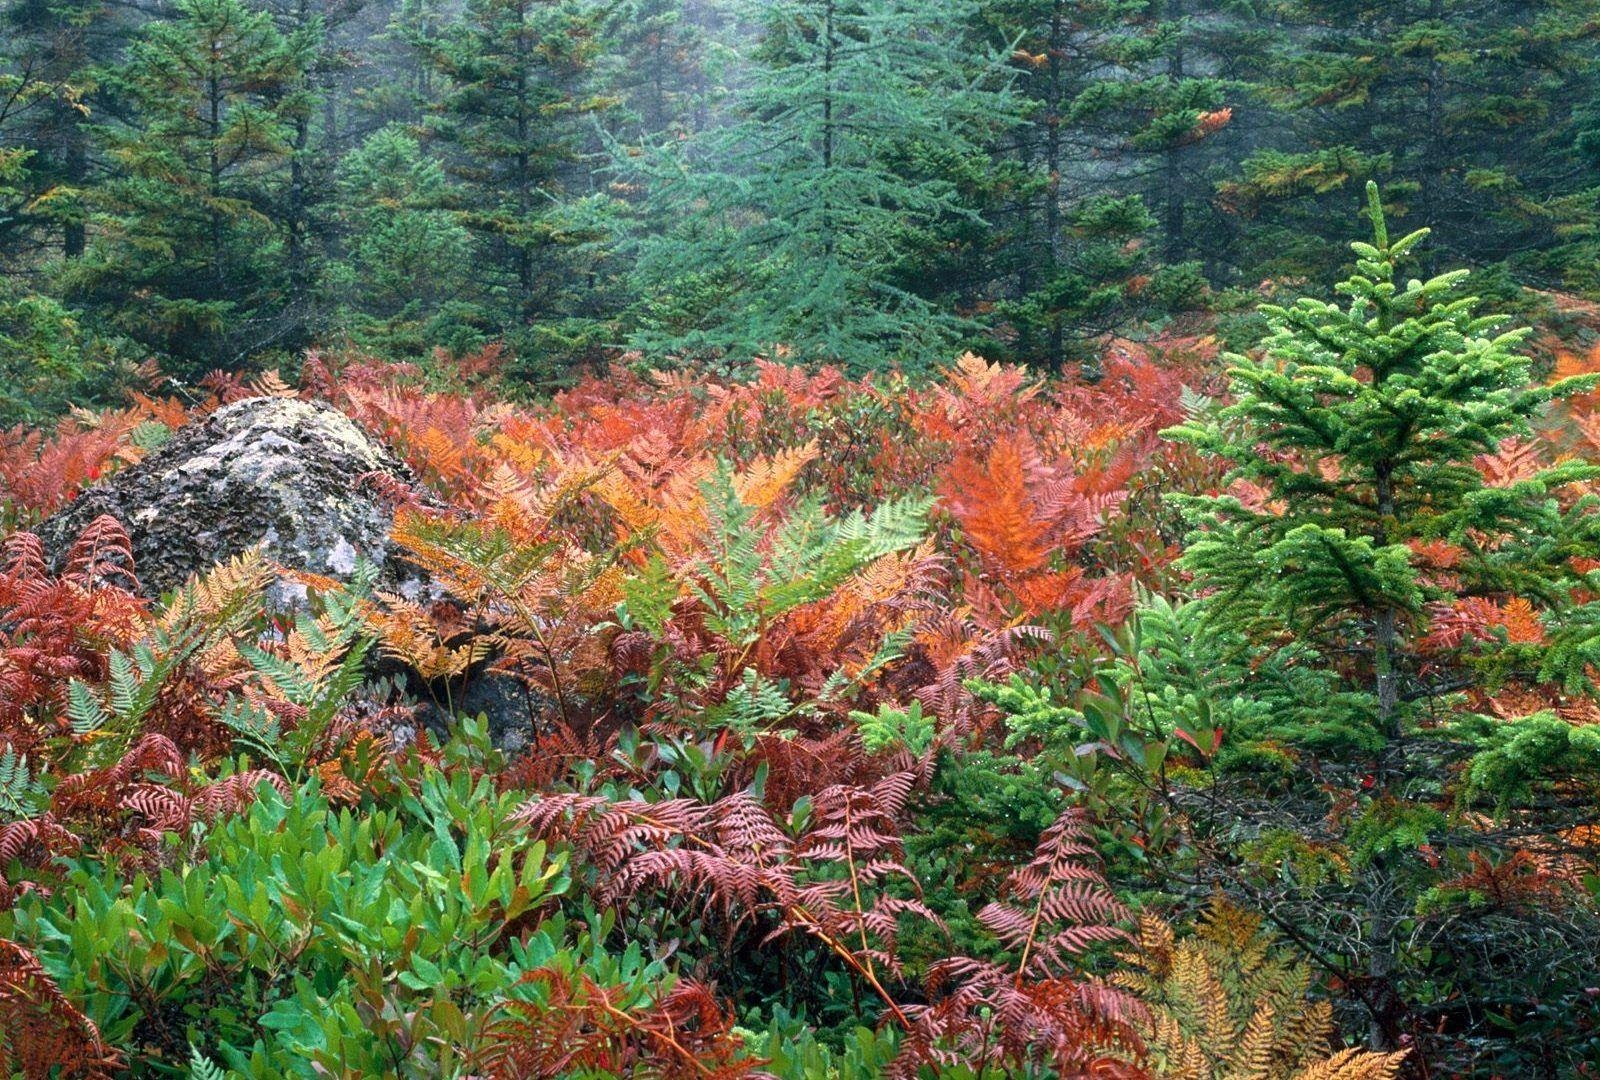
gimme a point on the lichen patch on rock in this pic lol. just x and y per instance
(284, 473)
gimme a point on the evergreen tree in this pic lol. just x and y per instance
(1154, 106)
(48, 52)
(304, 205)
(1129, 114)
(406, 255)
(791, 225)
(654, 65)
(1354, 516)
(519, 84)
(407, 51)
(189, 256)
(1473, 112)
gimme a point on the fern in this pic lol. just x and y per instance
(1037, 1011)
(565, 1024)
(84, 709)
(202, 1067)
(753, 707)
(322, 662)
(256, 728)
(40, 1030)
(20, 792)
(834, 884)
(1227, 1002)
(1354, 1065)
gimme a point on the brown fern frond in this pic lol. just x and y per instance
(568, 1024)
(1513, 461)
(36, 840)
(40, 1030)
(1065, 905)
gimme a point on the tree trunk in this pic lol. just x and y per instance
(75, 161)
(523, 166)
(214, 169)
(1055, 354)
(827, 121)
(297, 211)
(1174, 213)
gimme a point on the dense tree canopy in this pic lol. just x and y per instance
(862, 182)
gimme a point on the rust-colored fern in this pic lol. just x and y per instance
(42, 1034)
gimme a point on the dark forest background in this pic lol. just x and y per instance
(219, 184)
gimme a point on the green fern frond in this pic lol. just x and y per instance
(84, 709)
(21, 794)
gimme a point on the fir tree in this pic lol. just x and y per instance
(1129, 112)
(1471, 110)
(1352, 438)
(790, 226)
(654, 65)
(519, 82)
(1154, 104)
(48, 54)
(406, 255)
(188, 256)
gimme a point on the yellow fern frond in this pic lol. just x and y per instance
(1230, 991)
(1354, 1065)
(406, 633)
(766, 479)
(1173, 1055)
(1217, 1032)
(1257, 1051)
(526, 457)
(1304, 1035)
(220, 597)
(1229, 926)
(270, 384)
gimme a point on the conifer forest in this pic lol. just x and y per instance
(800, 539)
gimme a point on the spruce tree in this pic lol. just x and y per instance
(189, 252)
(512, 121)
(1472, 112)
(1354, 515)
(792, 224)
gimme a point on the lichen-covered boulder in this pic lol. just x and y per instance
(284, 473)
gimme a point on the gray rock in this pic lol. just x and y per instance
(275, 471)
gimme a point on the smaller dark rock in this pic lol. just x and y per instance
(513, 710)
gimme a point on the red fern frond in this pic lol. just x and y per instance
(236, 793)
(102, 555)
(1520, 882)
(42, 1032)
(1038, 1012)
(569, 1024)
(33, 840)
